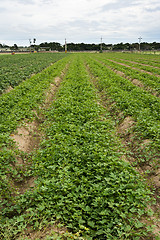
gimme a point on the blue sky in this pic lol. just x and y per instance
(79, 21)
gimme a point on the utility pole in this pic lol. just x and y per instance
(140, 43)
(65, 46)
(101, 46)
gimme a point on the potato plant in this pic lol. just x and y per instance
(149, 81)
(82, 179)
(17, 68)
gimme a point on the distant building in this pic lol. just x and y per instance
(44, 49)
(23, 49)
(7, 49)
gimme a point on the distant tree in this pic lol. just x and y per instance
(135, 46)
(54, 46)
(155, 46)
(14, 47)
(96, 47)
(5, 46)
(119, 46)
(145, 46)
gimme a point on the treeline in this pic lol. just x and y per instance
(55, 46)
(96, 47)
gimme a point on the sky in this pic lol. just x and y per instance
(79, 21)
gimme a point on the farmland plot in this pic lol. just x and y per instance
(149, 80)
(129, 100)
(150, 60)
(81, 177)
(14, 69)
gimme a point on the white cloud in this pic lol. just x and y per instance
(79, 21)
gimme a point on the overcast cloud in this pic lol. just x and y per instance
(79, 21)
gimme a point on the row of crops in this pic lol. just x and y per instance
(131, 99)
(82, 179)
(126, 100)
(151, 82)
(16, 68)
(151, 60)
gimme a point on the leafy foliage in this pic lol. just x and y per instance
(14, 108)
(14, 69)
(150, 81)
(82, 180)
(130, 99)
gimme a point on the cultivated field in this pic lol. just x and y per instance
(80, 143)
(15, 69)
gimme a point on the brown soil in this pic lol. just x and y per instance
(145, 143)
(57, 79)
(134, 81)
(53, 87)
(50, 93)
(125, 126)
(8, 89)
(26, 184)
(119, 73)
(137, 83)
(122, 74)
(42, 233)
(26, 137)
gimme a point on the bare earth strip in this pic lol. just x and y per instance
(31, 234)
(26, 137)
(8, 89)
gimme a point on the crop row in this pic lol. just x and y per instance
(153, 68)
(137, 118)
(81, 179)
(130, 99)
(16, 68)
(148, 80)
(140, 66)
(17, 104)
(15, 107)
(139, 58)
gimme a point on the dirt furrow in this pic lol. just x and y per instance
(122, 64)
